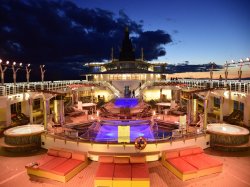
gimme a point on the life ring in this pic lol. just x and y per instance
(140, 143)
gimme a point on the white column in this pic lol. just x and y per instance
(205, 114)
(246, 119)
(221, 109)
(8, 113)
(227, 107)
(210, 104)
(45, 113)
(31, 110)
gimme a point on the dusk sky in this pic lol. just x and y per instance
(65, 34)
(201, 30)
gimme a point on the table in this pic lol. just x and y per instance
(86, 105)
(161, 105)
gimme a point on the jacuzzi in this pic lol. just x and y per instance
(227, 129)
(228, 137)
(24, 130)
(23, 138)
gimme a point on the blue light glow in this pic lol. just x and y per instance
(110, 132)
(126, 102)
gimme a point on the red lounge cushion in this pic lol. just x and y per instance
(197, 150)
(64, 154)
(106, 159)
(45, 159)
(140, 172)
(186, 152)
(181, 165)
(121, 160)
(105, 171)
(171, 154)
(78, 156)
(52, 152)
(137, 159)
(53, 163)
(212, 162)
(196, 162)
(66, 167)
(122, 172)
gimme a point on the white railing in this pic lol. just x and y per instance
(112, 88)
(10, 88)
(233, 85)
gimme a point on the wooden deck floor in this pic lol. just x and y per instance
(236, 172)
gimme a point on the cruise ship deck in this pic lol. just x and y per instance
(235, 172)
(235, 164)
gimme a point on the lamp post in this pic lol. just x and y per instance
(14, 70)
(42, 72)
(28, 70)
(211, 70)
(2, 70)
(226, 70)
(240, 71)
(239, 64)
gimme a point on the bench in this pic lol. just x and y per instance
(60, 165)
(122, 171)
(189, 163)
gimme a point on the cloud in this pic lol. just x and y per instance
(61, 34)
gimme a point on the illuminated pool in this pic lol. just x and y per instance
(126, 102)
(109, 130)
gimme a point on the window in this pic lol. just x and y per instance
(217, 102)
(241, 107)
(15, 108)
(36, 104)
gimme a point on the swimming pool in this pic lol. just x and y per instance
(109, 130)
(126, 102)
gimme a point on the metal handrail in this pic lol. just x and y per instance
(232, 85)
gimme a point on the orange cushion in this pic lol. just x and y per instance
(197, 150)
(186, 152)
(122, 172)
(181, 165)
(66, 167)
(140, 172)
(171, 154)
(212, 161)
(64, 154)
(78, 156)
(137, 159)
(106, 159)
(52, 152)
(45, 159)
(121, 160)
(105, 171)
(53, 163)
(196, 162)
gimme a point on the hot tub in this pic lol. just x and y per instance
(228, 137)
(23, 138)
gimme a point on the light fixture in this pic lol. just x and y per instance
(7, 62)
(0, 61)
(14, 63)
